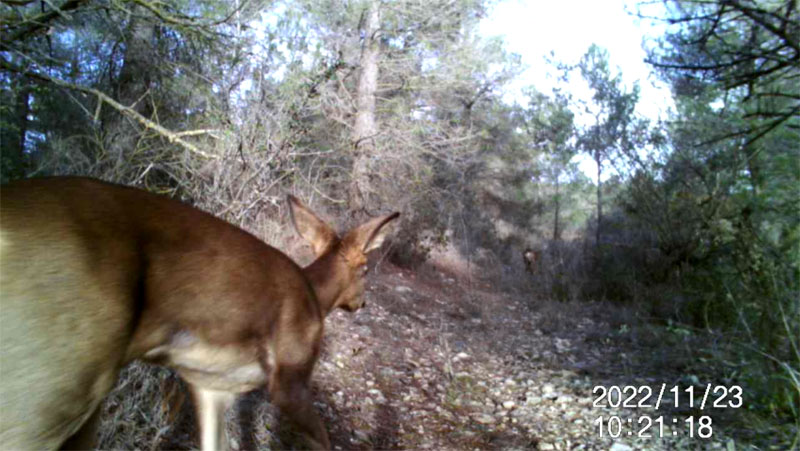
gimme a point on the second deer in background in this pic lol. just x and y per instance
(530, 258)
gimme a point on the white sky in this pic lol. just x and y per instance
(534, 28)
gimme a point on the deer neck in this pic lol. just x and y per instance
(326, 281)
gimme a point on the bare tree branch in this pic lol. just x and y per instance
(34, 24)
(171, 136)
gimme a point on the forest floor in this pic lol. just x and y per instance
(440, 359)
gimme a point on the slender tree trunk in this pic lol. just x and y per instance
(749, 153)
(557, 213)
(599, 161)
(365, 128)
(13, 128)
(130, 88)
(22, 111)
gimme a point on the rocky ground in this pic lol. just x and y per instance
(450, 362)
(440, 359)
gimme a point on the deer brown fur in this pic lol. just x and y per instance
(95, 275)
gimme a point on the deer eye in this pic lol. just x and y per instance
(364, 270)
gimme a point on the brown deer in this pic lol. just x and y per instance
(529, 257)
(95, 275)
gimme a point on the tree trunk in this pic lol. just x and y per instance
(22, 110)
(13, 128)
(130, 89)
(599, 161)
(557, 212)
(365, 128)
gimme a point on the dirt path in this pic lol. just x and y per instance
(442, 362)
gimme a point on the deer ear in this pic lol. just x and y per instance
(314, 230)
(369, 236)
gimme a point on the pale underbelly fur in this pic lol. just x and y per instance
(224, 368)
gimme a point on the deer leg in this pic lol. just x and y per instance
(211, 407)
(289, 391)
